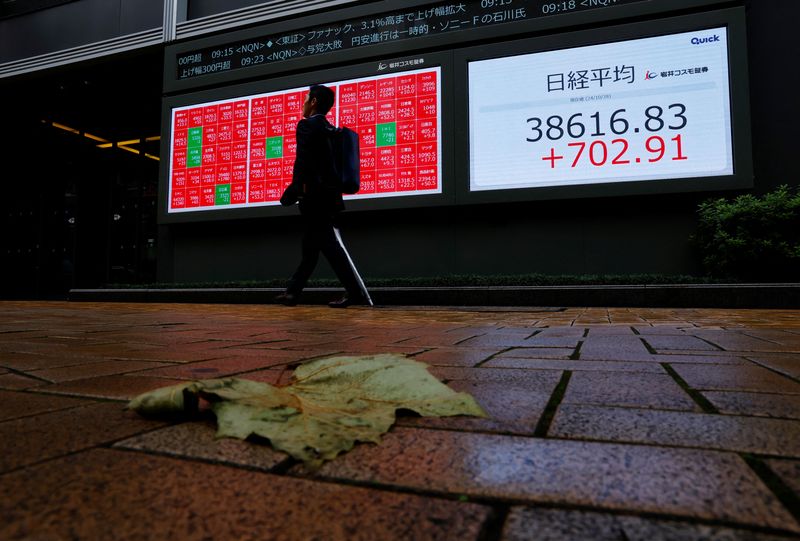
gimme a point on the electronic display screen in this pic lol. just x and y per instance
(651, 109)
(239, 152)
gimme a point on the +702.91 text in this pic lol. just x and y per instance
(599, 151)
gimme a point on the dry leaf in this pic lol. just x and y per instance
(331, 404)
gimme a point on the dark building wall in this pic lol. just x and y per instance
(592, 236)
(774, 80)
(74, 214)
(74, 24)
(205, 8)
(196, 9)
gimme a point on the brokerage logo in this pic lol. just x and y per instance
(707, 39)
(650, 75)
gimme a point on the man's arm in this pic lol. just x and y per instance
(303, 164)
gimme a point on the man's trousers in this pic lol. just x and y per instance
(320, 235)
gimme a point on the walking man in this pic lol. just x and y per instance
(320, 197)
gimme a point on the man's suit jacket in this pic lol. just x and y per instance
(313, 176)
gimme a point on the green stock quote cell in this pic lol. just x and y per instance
(274, 147)
(386, 134)
(194, 157)
(195, 137)
(223, 194)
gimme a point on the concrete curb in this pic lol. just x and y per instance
(783, 295)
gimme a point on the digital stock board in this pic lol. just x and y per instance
(649, 109)
(239, 152)
(658, 106)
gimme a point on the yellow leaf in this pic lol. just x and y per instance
(331, 404)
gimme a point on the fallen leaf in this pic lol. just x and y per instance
(331, 404)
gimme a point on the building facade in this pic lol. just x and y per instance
(147, 141)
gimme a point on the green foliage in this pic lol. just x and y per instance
(750, 237)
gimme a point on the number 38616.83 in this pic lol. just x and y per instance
(655, 119)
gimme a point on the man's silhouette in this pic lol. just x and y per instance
(314, 185)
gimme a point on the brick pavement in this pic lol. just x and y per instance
(632, 424)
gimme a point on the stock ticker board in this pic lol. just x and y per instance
(386, 28)
(240, 152)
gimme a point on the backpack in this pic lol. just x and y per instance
(346, 159)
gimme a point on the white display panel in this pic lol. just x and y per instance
(239, 152)
(646, 109)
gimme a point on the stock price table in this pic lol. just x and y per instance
(240, 152)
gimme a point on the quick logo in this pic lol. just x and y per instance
(708, 39)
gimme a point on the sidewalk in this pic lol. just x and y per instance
(635, 424)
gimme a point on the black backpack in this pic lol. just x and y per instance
(346, 159)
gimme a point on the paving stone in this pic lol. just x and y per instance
(15, 404)
(788, 471)
(282, 339)
(776, 437)
(171, 354)
(36, 361)
(230, 365)
(735, 378)
(8, 333)
(199, 344)
(490, 341)
(757, 404)
(279, 376)
(786, 364)
(537, 353)
(735, 341)
(468, 330)
(690, 357)
(455, 356)
(577, 332)
(686, 343)
(545, 341)
(501, 361)
(614, 348)
(109, 348)
(783, 337)
(681, 482)
(667, 330)
(299, 349)
(558, 525)
(116, 387)
(534, 378)
(163, 339)
(30, 346)
(29, 440)
(371, 348)
(77, 340)
(449, 339)
(611, 331)
(513, 408)
(93, 369)
(59, 335)
(197, 440)
(627, 389)
(711, 354)
(16, 382)
(149, 497)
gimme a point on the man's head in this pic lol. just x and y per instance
(318, 101)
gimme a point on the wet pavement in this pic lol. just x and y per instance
(635, 424)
